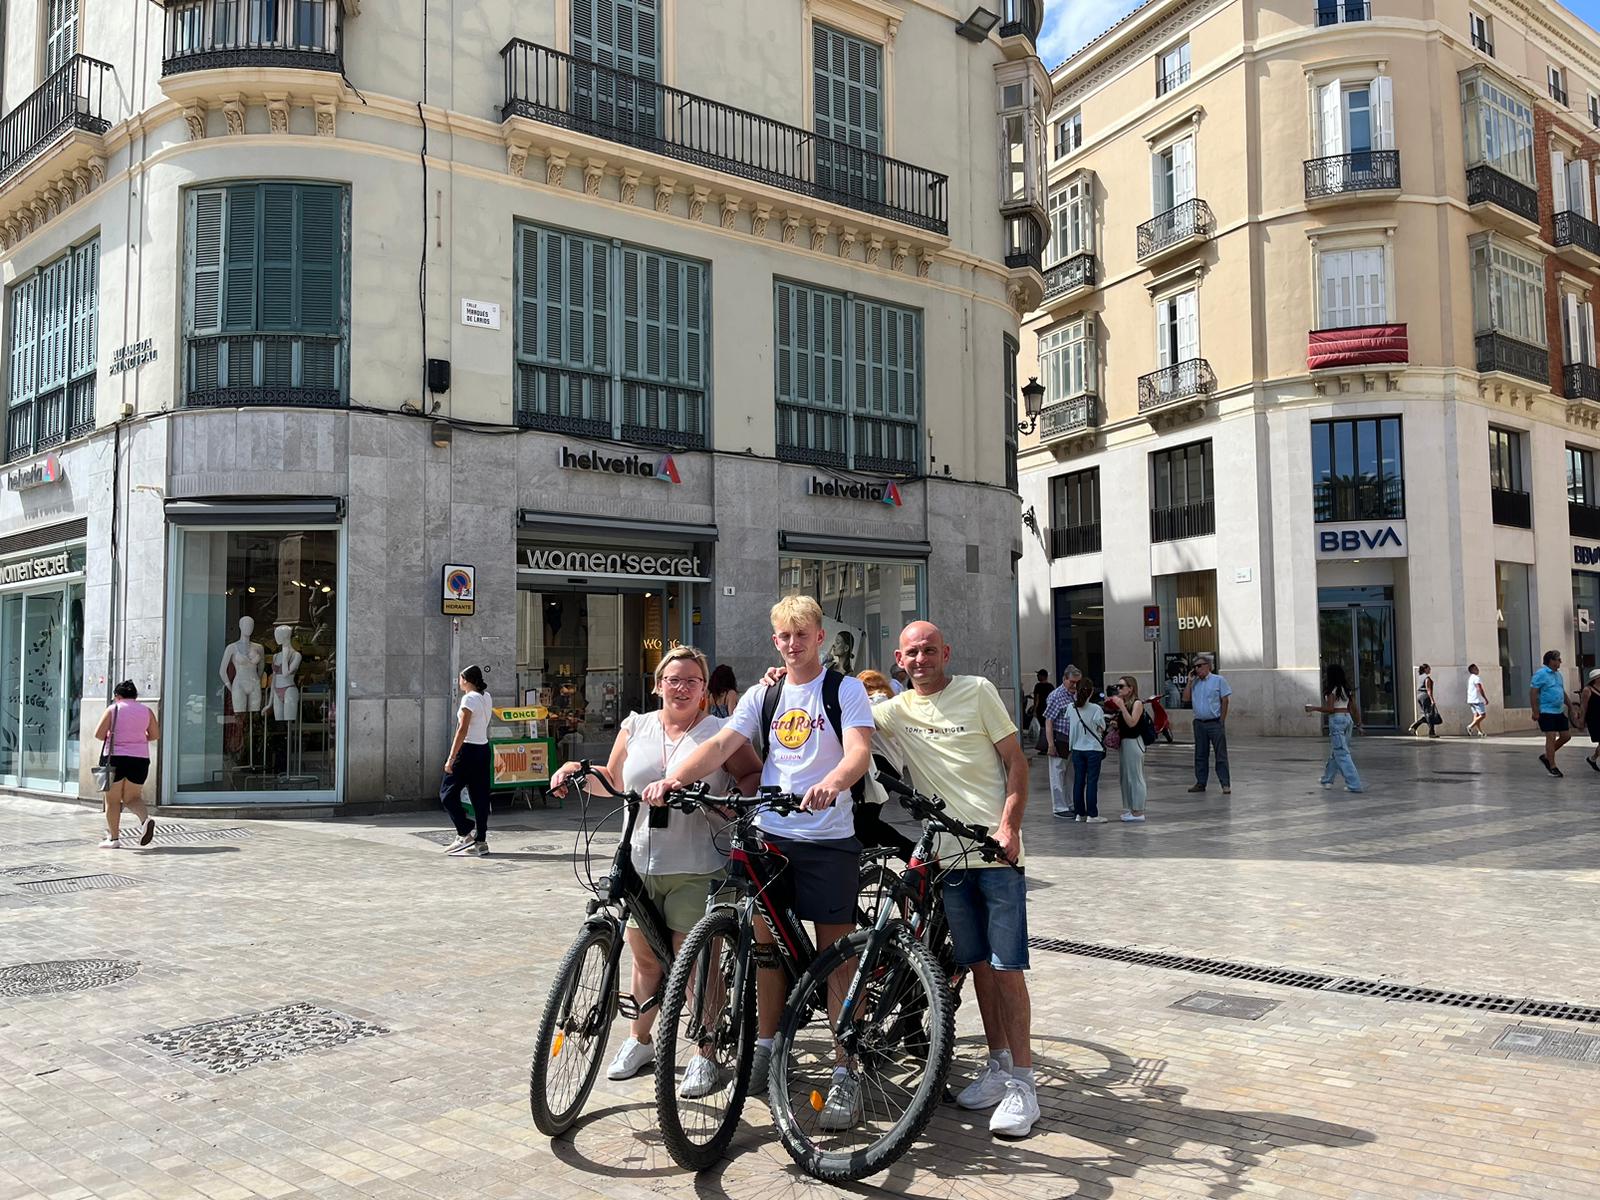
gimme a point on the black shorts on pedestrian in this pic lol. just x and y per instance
(821, 880)
(129, 768)
(1554, 722)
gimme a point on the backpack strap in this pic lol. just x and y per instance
(769, 710)
(831, 683)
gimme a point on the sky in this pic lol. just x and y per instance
(1068, 24)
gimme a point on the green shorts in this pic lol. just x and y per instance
(681, 898)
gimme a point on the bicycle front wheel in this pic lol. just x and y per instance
(845, 1118)
(573, 1030)
(704, 1042)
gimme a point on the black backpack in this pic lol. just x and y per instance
(831, 682)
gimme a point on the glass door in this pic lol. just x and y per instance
(1356, 630)
(11, 689)
(43, 668)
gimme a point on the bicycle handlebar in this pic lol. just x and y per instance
(933, 810)
(766, 799)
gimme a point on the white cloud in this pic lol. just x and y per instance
(1069, 24)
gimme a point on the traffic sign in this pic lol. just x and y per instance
(459, 590)
(1152, 616)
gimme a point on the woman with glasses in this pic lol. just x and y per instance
(674, 853)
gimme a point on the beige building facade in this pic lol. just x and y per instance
(642, 311)
(1318, 346)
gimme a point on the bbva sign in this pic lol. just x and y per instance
(1362, 541)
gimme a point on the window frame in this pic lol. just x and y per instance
(1069, 135)
(1337, 438)
(1480, 32)
(1069, 357)
(1070, 494)
(1071, 212)
(1506, 450)
(1190, 464)
(1495, 112)
(1556, 83)
(1581, 484)
(1324, 254)
(1508, 291)
(1010, 395)
(52, 54)
(78, 365)
(1170, 80)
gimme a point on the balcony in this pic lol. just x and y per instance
(1183, 521)
(1501, 201)
(209, 35)
(1342, 12)
(1070, 421)
(1069, 540)
(1357, 346)
(1511, 508)
(1069, 277)
(1177, 388)
(1577, 239)
(1583, 521)
(266, 369)
(1353, 175)
(1175, 229)
(556, 89)
(1580, 381)
(1021, 18)
(48, 420)
(1360, 499)
(1481, 43)
(1506, 355)
(1171, 81)
(71, 99)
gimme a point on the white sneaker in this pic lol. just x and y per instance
(1018, 1110)
(1095, 820)
(1130, 817)
(634, 1057)
(843, 1108)
(700, 1078)
(987, 1089)
(111, 843)
(460, 844)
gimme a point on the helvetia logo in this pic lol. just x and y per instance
(887, 492)
(667, 470)
(663, 468)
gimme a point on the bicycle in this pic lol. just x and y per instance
(584, 997)
(895, 1029)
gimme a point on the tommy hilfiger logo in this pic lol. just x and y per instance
(663, 468)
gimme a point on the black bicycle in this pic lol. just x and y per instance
(851, 1093)
(584, 997)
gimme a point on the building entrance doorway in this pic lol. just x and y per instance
(1356, 628)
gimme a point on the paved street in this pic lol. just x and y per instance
(1464, 869)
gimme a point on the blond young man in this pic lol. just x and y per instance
(808, 757)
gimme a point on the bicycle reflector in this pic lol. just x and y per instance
(555, 1047)
(816, 1099)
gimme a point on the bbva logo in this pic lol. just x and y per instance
(1200, 622)
(1332, 541)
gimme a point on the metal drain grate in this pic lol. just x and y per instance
(69, 975)
(77, 883)
(1318, 982)
(1224, 1004)
(34, 871)
(166, 835)
(1537, 1041)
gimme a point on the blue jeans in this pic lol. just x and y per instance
(1206, 735)
(987, 909)
(1086, 782)
(1339, 760)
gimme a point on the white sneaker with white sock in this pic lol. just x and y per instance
(989, 1088)
(634, 1057)
(1019, 1109)
(700, 1078)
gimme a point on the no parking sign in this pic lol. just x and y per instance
(459, 589)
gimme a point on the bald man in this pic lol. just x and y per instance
(962, 746)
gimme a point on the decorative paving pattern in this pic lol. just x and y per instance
(167, 835)
(77, 883)
(1542, 1042)
(52, 844)
(35, 871)
(236, 1043)
(1222, 1004)
(67, 975)
(443, 837)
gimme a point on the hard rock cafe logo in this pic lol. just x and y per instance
(792, 729)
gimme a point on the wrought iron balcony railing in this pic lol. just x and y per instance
(1485, 185)
(1497, 352)
(1070, 275)
(1171, 81)
(1069, 418)
(1575, 229)
(50, 419)
(1583, 521)
(1067, 540)
(1196, 519)
(1480, 41)
(1510, 507)
(303, 370)
(1021, 18)
(1359, 171)
(1360, 500)
(557, 89)
(207, 35)
(1189, 221)
(72, 98)
(1189, 380)
(1580, 381)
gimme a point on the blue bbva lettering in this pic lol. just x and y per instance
(1333, 541)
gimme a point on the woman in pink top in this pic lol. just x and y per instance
(126, 731)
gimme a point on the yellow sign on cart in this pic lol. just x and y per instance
(512, 715)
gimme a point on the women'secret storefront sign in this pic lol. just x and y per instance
(557, 560)
(36, 568)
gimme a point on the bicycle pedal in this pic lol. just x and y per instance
(628, 1006)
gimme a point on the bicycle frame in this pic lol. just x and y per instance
(624, 890)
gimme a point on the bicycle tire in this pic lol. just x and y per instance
(920, 971)
(695, 1151)
(557, 1029)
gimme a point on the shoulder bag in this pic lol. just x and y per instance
(102, 772)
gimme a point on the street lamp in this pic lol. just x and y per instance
(977, 27)
(1032, 403)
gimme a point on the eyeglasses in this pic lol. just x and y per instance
(685, 683)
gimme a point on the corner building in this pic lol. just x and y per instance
(1319, 357)
(648, 311)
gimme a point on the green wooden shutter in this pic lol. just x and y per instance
(847, 102)
(810, 357)
(529, 293)
(85, 309)
(623, 35)
(886, 379)
(320, 255)
(240, 255)
(206, 217)
(279, 258)
(54, 308)
(663, 318)
(24, 339)
(565, 281)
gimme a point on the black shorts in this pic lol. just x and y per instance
(822, 879)
(129, 768)
(1554, 722)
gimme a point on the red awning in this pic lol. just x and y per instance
(1357, 345)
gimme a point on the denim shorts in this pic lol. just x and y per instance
(987, 909)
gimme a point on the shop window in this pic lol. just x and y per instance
(1182, 495)
(1080, 630)
(41, 680)
(54, 352)
(849, 381)
(578, 298)
(1358, 470)
(1189, 624)
(865, 605)
(267, 319)
(254, 702)
(1514, 613)
(1075, 513)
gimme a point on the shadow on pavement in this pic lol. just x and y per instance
(158, 848)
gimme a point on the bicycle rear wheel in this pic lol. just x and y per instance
(573, 1030)
(846, 1128)
(704, 1042)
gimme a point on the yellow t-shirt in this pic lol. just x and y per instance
(948, 741)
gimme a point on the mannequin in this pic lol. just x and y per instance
(285, 664)
(244, 659)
